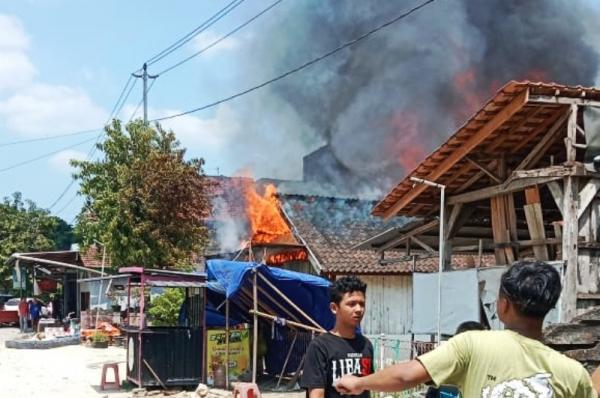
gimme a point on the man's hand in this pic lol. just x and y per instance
(349, 385)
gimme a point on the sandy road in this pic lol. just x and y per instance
(72, 371)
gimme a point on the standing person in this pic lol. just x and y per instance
(23, 311)
(512, 362)
(34, 312)
(340, 351)
(435, 392)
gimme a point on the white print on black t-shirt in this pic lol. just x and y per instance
(536, 386)
(355, 364)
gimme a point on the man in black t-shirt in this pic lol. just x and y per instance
(340, 351)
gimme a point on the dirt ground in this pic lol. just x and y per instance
(65, 372)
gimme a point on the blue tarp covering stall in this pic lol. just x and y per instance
(234, 280)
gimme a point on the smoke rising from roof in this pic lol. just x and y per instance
(382, 105)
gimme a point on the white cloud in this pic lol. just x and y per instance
(60, 161)
(13, 35)
(41, 110)
(16, 70)
(205, 39)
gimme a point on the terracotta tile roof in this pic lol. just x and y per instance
(513, 121)
(330, 227)
(92, 258)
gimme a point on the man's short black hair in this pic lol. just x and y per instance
(533, 287)
(346, 284)
(469, 325)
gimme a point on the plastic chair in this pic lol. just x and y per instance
(246, 390)
(117, 383)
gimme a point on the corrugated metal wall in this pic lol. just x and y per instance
(389, 304)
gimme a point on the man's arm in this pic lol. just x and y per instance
(316, 393)
(394, 378)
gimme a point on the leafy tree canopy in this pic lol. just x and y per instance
(24, 227)
(143, 200)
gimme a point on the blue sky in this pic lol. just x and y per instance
(63, 64)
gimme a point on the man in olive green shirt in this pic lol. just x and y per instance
(494, 364)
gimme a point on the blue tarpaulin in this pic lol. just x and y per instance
(233, 279)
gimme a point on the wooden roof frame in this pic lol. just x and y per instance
(522, 116)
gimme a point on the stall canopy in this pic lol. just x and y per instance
(308, 295)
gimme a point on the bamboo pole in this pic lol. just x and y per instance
(290, 302)
(287, 359)
(292, 323)
(255, 340)
(227, 343)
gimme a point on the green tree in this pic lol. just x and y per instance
(143, 200)
(24, 227)
(164, 309)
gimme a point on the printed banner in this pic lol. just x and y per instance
(239, 353)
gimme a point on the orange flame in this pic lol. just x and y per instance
(263, 212)
(406, 144)
(287, 256)
(465, 83)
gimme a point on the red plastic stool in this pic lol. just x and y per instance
(246, 390)
(117, 383)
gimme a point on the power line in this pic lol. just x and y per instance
(45, 155)
(201, 28)
(221, 39)
(116, 109)
(299, 68)
(53, 137)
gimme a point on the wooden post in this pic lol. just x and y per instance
(568, 304)
(535, 222)
(255, 332)
(227, 343)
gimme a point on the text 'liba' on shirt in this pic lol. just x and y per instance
(329, 357)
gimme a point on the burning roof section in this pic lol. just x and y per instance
(513, 122)
(331, 227)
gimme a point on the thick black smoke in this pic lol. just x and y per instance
(383, 104)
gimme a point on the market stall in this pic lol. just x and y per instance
(160, 355)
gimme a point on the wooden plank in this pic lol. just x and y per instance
(484, 169)
(417, 231)
(452, 218)
(535, 223)
(512, 185)
(532, 195)
(541, 147)
(422, 244)
(557, 193)
(546, 99)
(587, 194)
(498, 229)
(571, 135)
(568, 301)
(506, 113)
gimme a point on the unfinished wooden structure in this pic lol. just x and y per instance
(519, 183)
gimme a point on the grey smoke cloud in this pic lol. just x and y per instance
(383, 104)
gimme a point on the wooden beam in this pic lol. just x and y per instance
(557, 193)
(587, 194)
(542, 146)
(422, 244)
(546, 99)
(512, 185)
(506, 113)
(571, 135)
(417, 231)
(484, 169)
(454, 213)
(568, 301)
(535, 222)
